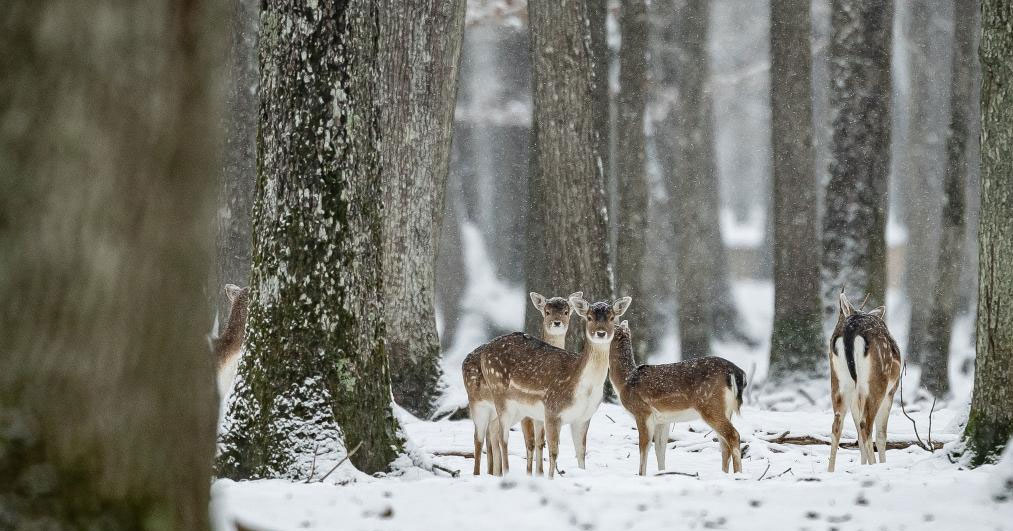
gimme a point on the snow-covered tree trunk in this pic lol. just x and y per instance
(854, 227)
(315, 371)
(631, 172)
(419, 49)
(567, 222)
(796, 342)
(950, 263)
(108, 152)
(238, 178)
(990, 423)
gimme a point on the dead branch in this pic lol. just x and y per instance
(806, 440)
(674, 473)
(764, 471)
(454, 453)
(788, 471)
(806, 396)
(452, 473)
(343, 459)
(921, 444)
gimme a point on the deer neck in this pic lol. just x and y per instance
(594, 360)
(621, 362)
(231, 338)
(556, 340)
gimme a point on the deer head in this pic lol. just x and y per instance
(555, 312)
(847, 309)
(601, 317)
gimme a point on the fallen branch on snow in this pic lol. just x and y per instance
(806, 440)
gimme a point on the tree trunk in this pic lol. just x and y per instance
(854, 228)
(420, 47)
(107, 150)
(315, 359)
(567, 221)
(631, 172)
(949, 263)
(990, 423)
(449, 259)
(797, 338)
(238, 180)
(598, 19)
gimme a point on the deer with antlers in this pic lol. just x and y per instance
(709, 388)
(556, 312)
(530, 378)
(865, 367)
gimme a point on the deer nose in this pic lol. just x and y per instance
(600, 333)
(557, 323)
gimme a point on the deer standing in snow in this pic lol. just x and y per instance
(530, 378)
(709, 388)
(556, 313)
(864, 374)
(227, 346)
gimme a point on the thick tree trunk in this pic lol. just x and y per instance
(567, 222)
(990, 424)
(107, 157)
(315, 359)
(631, 172)
(420, 47)
(854, 228)
(797, 339)
(949, 263)
(598, 19)
(239, 177)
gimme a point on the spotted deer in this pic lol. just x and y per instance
(865, 370)
(227, 346)
(556, 312)
(530, 378)
(708, 388)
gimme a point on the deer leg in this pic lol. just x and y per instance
(646, 432)
(869, 417)
(882, 419)
(480, 417)
(729, 437)
(578, 432)
(858, 415)
(539, 445)
(528, 428)
(661, 432)
(552, 438)
(835, 438)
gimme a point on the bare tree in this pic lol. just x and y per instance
(315, 360)
(107, 153)
(990, 422)
(797, 337)
(420, 47)
(567, 221)
(854, 227)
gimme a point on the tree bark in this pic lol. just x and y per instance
(990, 422)
(567, 222)
(420, 49)
(315, 359)
(950, 262)
(797, 337)
(631, 171)
(598, 19)
(854, 228)
(109, 141)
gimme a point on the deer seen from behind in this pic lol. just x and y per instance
(865, 368)
(708, 388)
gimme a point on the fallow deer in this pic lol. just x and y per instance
(556, 313)
(865, 370)
(530, 378)
(709, 388)
(227, 346)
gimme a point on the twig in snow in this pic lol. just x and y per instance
(343, 459)
(764, 471)
(454, 453)
(788, 471)
(921, 444)
(808, 440)
(674, 473)
(313, 465)
(610, 418)
(453, 473)
(806, 396)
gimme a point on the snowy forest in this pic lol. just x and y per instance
(425, 264)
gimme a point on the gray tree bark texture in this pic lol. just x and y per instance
(990, 422)
(109, 122)
(854, 227)
(567, 222)
(631, 172)
(796, 343)
(315, 360)
(685, 144)
(420, 49)
(598, 19)
(239, 176)
(950, 260)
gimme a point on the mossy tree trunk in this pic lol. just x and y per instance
(315, 373)
(108, 152)
(854, 227)
(990, 424)
(796, 344)
(420, 47)
(568, 246)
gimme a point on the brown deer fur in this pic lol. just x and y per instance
(865, 369)
(229, 343)
(709, 388)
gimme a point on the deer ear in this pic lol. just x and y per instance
(620, 306)
(846, 308)
(538, 300)
(580, 305)
(574, 295)
(879, 312)
(232, 291)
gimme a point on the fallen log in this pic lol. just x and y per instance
(805, 440)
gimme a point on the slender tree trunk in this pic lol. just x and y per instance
(797, 338)
(238, 180)
(449, 262)
(949, 263)
(567, 221)
(990, 423)
(631, 171)
(854, 228)
(419, 48)
(315, 359)
(107, 156)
